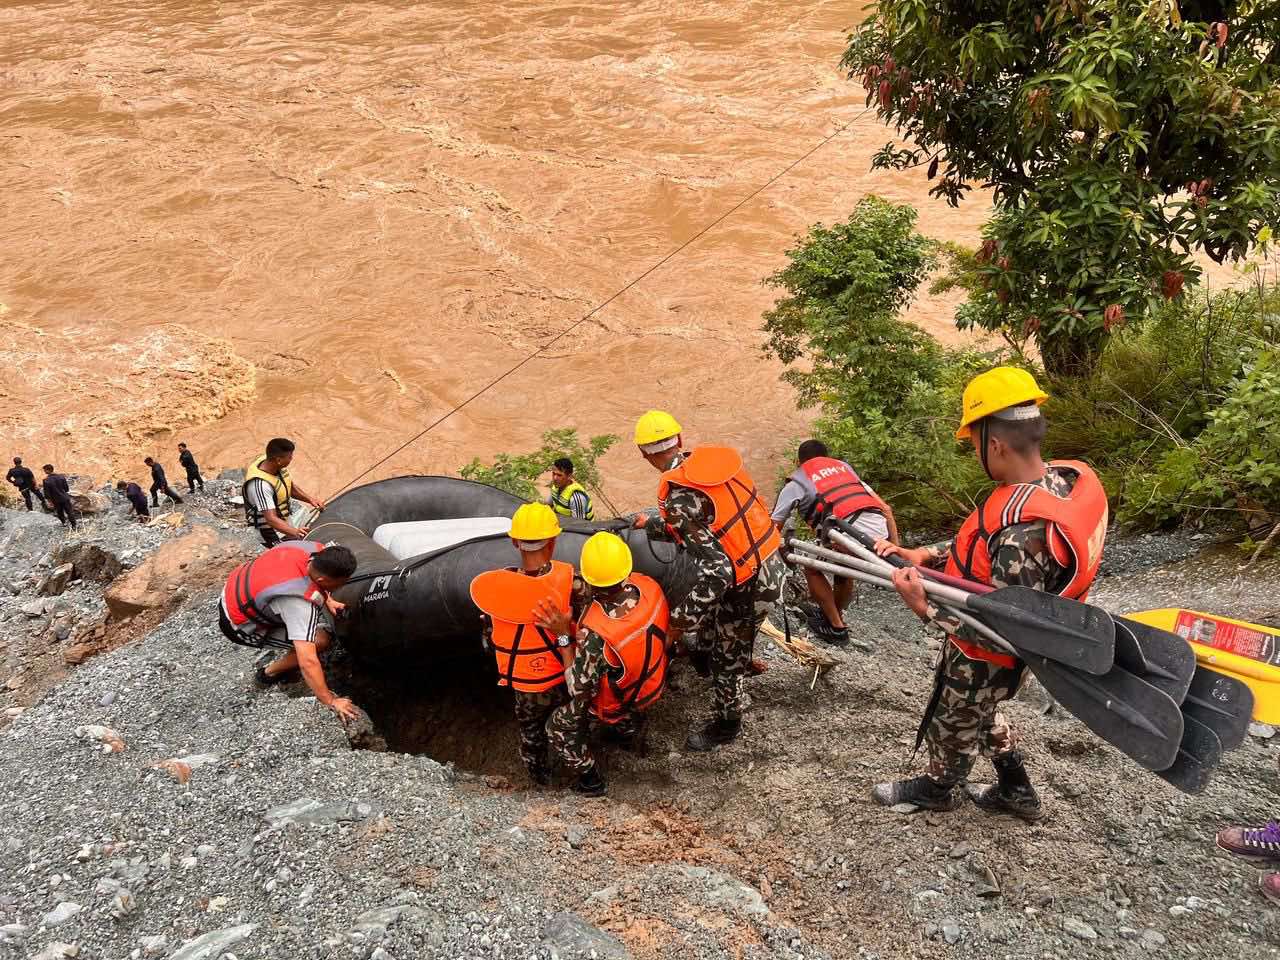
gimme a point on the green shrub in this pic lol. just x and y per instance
(519, 474)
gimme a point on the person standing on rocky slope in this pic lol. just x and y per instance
(188, 461)
(619, 666)
(58, 492)
(133, 493)
(529, 615)
(282, 599)
(267, 492)
(22, 478)
(160, 484)
(708, 505)
(1043, 527)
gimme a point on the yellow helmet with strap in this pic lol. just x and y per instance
(998, 389)
(606, 560)
(534, 522)
(656, 426)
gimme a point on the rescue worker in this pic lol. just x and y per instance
(823, 489)
(160, 484)
(133, 493)
(708, 505)
(619, 666)
(568, 497)
(58, 492)
(1042, 527)
(530, 612)
(282, 599)
(267, 490)
(188, 461)
(22, 478)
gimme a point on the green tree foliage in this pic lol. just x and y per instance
(888, 392)
(1120, 137)
(519, 474)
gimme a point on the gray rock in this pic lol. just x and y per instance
(61, 914)
(1079, 929)
(13, 931)
(951, 931)
(153, 945)
(58, 951)
(377, 922)
(1153, 939)
(726, 891)
(904, 808)
(575, 834)
(380, 954)
(90, 561)
(568, 935)
(34, 608)
(212, 945)
(308, 812)
(56, 582)
(1178, 910)
(960, 851)
(62, 631)
(1263, 731)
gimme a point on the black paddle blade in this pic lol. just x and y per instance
(1134, 717)
(1067, 631)
(1170, 661)
(1223, 704)
(1198, 756)
(1129, 655)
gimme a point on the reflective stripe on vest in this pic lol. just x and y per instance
(1076, 528)
(278, 572)
(838, 491)
(527, 656)
(560, 500)
(635, 648)
(740, 522)
(281, 485)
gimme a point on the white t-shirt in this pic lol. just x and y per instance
(792, 495)
(301, 620)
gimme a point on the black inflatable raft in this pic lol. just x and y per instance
(403, 603)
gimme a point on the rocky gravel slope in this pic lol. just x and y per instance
(156, 805)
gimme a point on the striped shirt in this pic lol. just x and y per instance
(579, 505)
(261, 497)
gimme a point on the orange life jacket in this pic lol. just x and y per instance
(1076, 528)
(528, 659)
(840, 492)
(635, 648)
(278, 572)
(741, 521)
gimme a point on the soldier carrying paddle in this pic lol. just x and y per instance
(1042, 527)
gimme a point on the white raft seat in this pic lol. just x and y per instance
(416, 537)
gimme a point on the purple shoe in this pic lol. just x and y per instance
(1261, 845)
(1270, 886)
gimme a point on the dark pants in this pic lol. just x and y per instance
(140, 506)
(66, 512)
(269, 536)
(158, 488)
(26, 497)
(193, 477)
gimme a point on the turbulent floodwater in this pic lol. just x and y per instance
(334, 221)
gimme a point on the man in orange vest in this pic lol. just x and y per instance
(619, 664)
(529, 613)
(823, 489)
(1042, 527)
(708, 505)
(282, 599)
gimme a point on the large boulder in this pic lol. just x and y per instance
(87, 500)
(91, 562)
(56, 582)
(191, 561)
(26, 535)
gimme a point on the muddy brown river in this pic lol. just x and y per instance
(221, 222)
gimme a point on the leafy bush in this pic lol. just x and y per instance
(889, 393)
(519, 474)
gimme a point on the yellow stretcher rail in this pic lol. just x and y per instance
(1247, 651)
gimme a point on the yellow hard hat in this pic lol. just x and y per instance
(606, 560)
(654, 427)
(534, 522)
(998, 389)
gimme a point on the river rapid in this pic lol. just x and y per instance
(335, 221)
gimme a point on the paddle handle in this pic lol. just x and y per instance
(848, 531)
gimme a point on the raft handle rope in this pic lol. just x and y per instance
(594, 310)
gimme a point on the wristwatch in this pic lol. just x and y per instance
(563, 640)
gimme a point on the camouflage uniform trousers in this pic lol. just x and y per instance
(968, 720)
(738, 619)
(570, 730)
(532, 712)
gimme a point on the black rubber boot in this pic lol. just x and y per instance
(539, 774)
(920, 791)
(714, 734)
(1012, 794)
(590, 783)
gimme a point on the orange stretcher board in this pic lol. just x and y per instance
(1247, 651)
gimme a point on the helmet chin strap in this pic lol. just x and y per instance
(984, 438)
